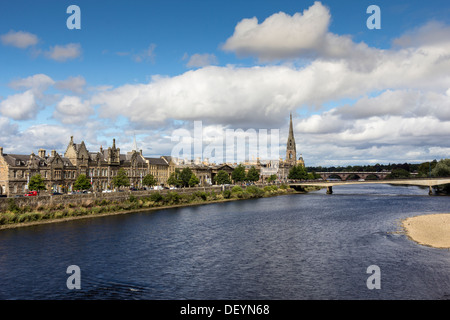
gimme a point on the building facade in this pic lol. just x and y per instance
(60, 172)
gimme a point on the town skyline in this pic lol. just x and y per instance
(357, 96)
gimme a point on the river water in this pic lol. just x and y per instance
(303, 246)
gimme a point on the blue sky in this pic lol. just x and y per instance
(151, 67)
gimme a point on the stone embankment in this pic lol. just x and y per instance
(89, 198)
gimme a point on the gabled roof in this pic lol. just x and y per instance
(157, 161)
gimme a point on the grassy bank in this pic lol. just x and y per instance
(15, 216)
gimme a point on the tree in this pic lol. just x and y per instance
(184, 176)
(36, 183)
(398, 173)
(252, 174)
(121, 180)
(149, 180)
(82, 183)
(222, 177)
(238, 174)
(442, 168)
(272, 178)
(173, 179)
(193, 181)
(298, 173)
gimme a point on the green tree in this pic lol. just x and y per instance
(252, 174)
(193, 181)
(442, 168)
(36, 183)
(398, 173)
(272, 178)
(298, 173)
(222, 177)
(174, 179)
(425, 168)
(238, 174)
(121, 180)
(149, 180)
(185, 176)
(82, 183)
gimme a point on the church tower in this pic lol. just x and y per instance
(291, 151)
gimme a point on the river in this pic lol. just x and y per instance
(302, 246)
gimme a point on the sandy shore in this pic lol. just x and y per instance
(430, 230)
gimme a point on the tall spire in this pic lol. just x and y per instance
(135, 148)
(291, 150)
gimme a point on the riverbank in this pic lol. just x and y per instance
(430, 230)
(16, 217)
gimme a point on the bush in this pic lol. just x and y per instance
(236, 189)
(156, 197)
(7, 217)
(172, 197)
(226, 194)
(199, 195)
(255, 191)
(12, 206)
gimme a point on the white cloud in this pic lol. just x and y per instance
(21, 106)
(201, 60)
(38, 83)
(282, 36)
(433, 33)
(19, 39)
(72, 110)
(64, 53)
(73, 84)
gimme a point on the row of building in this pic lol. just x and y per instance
(60, 172)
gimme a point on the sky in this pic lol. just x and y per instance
(154, 71)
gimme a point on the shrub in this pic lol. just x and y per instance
(254, 191)
(226, 194)
(172, 197)
(236, 189)
(156, 197)
(7, 217)
(199, 195)
(12, 206)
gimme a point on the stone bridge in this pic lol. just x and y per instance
(428, 182)
(361, 175)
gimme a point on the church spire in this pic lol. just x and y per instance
(135, 148)
(291, 151)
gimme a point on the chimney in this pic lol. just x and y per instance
(41, 153)
(53, 153)
(1, 151)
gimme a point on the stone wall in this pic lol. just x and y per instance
(89, 198)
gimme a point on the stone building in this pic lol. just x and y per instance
(60, 172)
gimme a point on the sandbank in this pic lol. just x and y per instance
(430, 230)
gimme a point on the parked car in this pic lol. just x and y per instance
(31, 194)
(56, 193)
